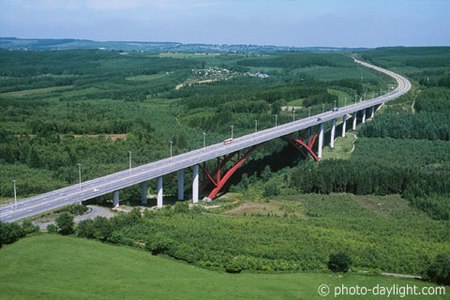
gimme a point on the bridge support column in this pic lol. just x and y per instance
(364, 116)
(355, 119)
(372, 112)
(143, 186)
(116, 198)
(333, 133)
(319, 150)
(159, 198)
(195, 181)
(344, 125)
(180, 175)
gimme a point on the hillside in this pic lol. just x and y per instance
(54, 267)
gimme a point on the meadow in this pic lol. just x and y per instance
(55, 267)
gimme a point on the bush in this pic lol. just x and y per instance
(29, 228)
(271, 189)
(86, 229)
(439, 270)
(77, 209)
(65, 224)
(51, 228)
(10, 232)
(339, 262)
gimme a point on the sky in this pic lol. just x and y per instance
(301, 23)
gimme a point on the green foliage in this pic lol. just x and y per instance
(65, 223)
(339, 262)
(29, 228)
(271, 189)
(439, 269)
(10, 233)
(77, 209)
(51, 228)
(118, 270)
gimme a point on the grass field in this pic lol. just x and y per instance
(55, 267)
(343, 147)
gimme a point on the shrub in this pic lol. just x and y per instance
(65, 224)
(439, 270)
(339, 262)
(51, 228)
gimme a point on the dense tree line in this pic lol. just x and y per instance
(271, 243)
(298, 60)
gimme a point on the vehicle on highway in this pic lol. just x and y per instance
(335, 109)
(228, 141)
(319, 119)
(95, 190)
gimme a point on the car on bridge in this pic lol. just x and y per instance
(228, 141)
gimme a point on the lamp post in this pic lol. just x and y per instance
(204, 140)
(129, 161)
(293, 115)
(345, 101)
(309, 111)
(276, 120)
(15, 194)
(79, 174)
(256, 125)
(171, 150)
(323, 107)
(232, 131)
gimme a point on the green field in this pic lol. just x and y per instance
(55, 267)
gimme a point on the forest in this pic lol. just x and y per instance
(61, 108)
(387, 205)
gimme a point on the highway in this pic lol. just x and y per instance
(117, 181)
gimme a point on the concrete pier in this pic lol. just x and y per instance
(116, 199)
(344, 125)
(355, 119)
(372, 112)
(364, 116)
(333, 133)
(180, 176)
(143, 186)
(159, 198)
(319, 150)
(195, 181)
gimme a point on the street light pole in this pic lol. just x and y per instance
(345, 101)
(293, 115)
(170, 150)
(256, 125)
(232, 131)
(323, 107)
(129, 161)
(276, 120)
(79, 174)
(309, 111)
(204, 140)
(15, 194)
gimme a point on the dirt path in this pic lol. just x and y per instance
(354, 146)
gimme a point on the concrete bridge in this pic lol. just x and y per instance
(313, 131)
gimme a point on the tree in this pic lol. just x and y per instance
(51, 228)
(65, 224)
(10, 232)
(439, 270)
(271, 189)
(339, 262)
(29, 228)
